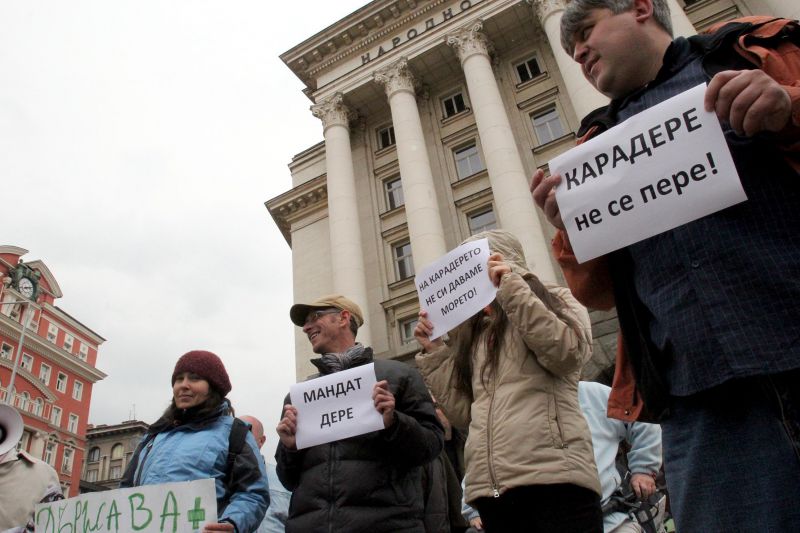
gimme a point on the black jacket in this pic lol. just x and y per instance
(372, 482)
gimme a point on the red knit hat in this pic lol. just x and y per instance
(206, 365)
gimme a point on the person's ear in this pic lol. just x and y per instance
(642, 10)
(346, 316)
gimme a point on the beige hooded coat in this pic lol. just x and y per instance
(525, 426)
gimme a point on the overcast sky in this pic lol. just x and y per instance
(138, 143)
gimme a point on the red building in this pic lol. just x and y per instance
(52, 385)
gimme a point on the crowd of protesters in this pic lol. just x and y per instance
(708, 352)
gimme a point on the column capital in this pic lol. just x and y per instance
(545, 8)
(397, 77)
(333, 112)
(469, 41)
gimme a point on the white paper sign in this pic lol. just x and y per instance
(335, 406)
(659, 169)
(456, 286)
(179, 507)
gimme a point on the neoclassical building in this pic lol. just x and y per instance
(434, 115)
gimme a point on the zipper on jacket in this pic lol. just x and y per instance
(147, 449)
(492, 478)
(330, 486)
(558, 421)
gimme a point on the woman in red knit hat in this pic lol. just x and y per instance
(191, 440)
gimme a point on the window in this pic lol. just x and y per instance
(116, 451)
(91, 476)
(83, 352)
(52, 333)
(66, 464)
(94, 455)
(72, 425)
(23, 400)
(404, 263)
(44, 374)
(55, 416)
(27, 362)
(61, 382)
(394, 193)
(33, 322)
(547, 126)
(482, 221)
(7, 351)
(453, 104)
(36, 407)
(468, 161)
(77, 390)
(386, 137)
(50, 453)
(407, 330)
(527, 70)
(115, 472)
(68, 341)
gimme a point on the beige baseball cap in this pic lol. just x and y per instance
(298, 312)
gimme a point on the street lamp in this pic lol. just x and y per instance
(17, 359)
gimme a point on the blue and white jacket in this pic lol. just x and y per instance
(199, 450)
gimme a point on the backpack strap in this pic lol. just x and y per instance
(236, 441)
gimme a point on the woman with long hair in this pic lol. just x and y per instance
(191, 441)
(510, 373)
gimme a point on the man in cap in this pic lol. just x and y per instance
(371, 482)
(24, 480)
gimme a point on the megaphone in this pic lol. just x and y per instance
(11, 427)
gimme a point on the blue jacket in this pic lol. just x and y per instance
(199, 450)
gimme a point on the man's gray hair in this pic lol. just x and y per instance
(577, 11)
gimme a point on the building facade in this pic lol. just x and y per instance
(435, 113)
(109, 450)
(51, 384)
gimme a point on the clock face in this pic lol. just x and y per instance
(26, 287)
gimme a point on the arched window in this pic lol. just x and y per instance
(94, 455)
(24, 401)
(37, 407)
(116, 451)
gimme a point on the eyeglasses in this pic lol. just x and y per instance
(313, 316)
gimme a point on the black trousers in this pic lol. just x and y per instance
(561, 508)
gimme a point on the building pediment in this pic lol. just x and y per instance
(367, 35)
(299, 202)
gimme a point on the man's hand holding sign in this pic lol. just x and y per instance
(660, 169)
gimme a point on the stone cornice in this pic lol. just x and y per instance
(352, 35)
(298, 202)
(42, 346)
(397, 77)
(469, 41)
(99, 432)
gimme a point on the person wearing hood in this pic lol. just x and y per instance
(510, 373)
(191, 440)
(370, 482)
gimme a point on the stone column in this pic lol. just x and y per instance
(681, 25)
(347, 254)
(582, 95)
(422, 210)
(515, 209)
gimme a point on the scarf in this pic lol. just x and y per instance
(356, 355)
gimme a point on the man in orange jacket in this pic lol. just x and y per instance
(710, 337)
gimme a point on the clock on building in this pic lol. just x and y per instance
(26, 287)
